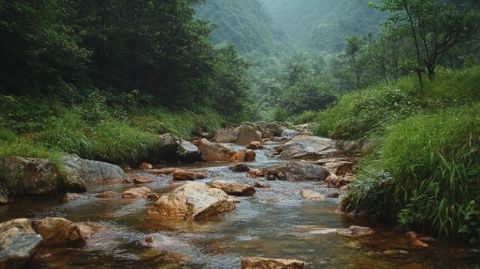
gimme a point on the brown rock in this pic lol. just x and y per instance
(192, 201)
(261, 185)
(239, 167)
(255, 145)
(107, 195)
(233, 188)
(163, 171)
(244, 156)
(185, 175)
(69, 197)
(256, 172)
(57, 231)
(414, 241)
(142, 192)
(87, 229)
(153, 197)
(355, 231)
(145, 166)
(148, 242)
(268, 263)
(213, 152)
(312, 195)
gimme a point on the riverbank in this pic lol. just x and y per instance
(281, 205)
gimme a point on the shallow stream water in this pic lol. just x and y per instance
(276, 222)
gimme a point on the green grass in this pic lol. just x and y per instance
(425, 175)
(367, 113)
(117, 130)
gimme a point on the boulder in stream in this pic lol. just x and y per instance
(60, 231)
(192, 201)
(171, 148)
(233, 188)
(268, 263)
(184, 175)
(35, 176)
(92, 173)
(214, 152)
(255, 145)
(245, 155)
(308, 147)
(18, 243)
(296, 171)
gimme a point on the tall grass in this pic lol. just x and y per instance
(369, 112)
(426, 175)
(117, 130)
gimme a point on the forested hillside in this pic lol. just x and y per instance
(242, 23)
(322, 25)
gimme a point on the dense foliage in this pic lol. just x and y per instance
(156, 47)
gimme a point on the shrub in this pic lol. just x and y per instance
(426, 175)
(306, 117)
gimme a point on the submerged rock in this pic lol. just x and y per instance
(308, 147)
(184, 175)
(214, 152)
(233, 188)
(70, 197)
(192, 201)
(355, 231)
(145, 166)
(268, 263)
(296, 171)
(142, 192)
(108, 195)
(312, 195)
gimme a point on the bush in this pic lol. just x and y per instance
(305, 117)
(426, 175)
(307, 95)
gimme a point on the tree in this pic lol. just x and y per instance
(435, 27)
(354, 52)
(38, 52)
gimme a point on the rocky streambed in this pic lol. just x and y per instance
(274, 203)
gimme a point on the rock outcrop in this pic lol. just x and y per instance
(92, 173)
(192, 201)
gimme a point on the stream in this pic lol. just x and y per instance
(276, 222)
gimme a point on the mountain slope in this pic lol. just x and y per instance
(243, 23)
(323, 24)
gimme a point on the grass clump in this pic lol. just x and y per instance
(426, 175)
